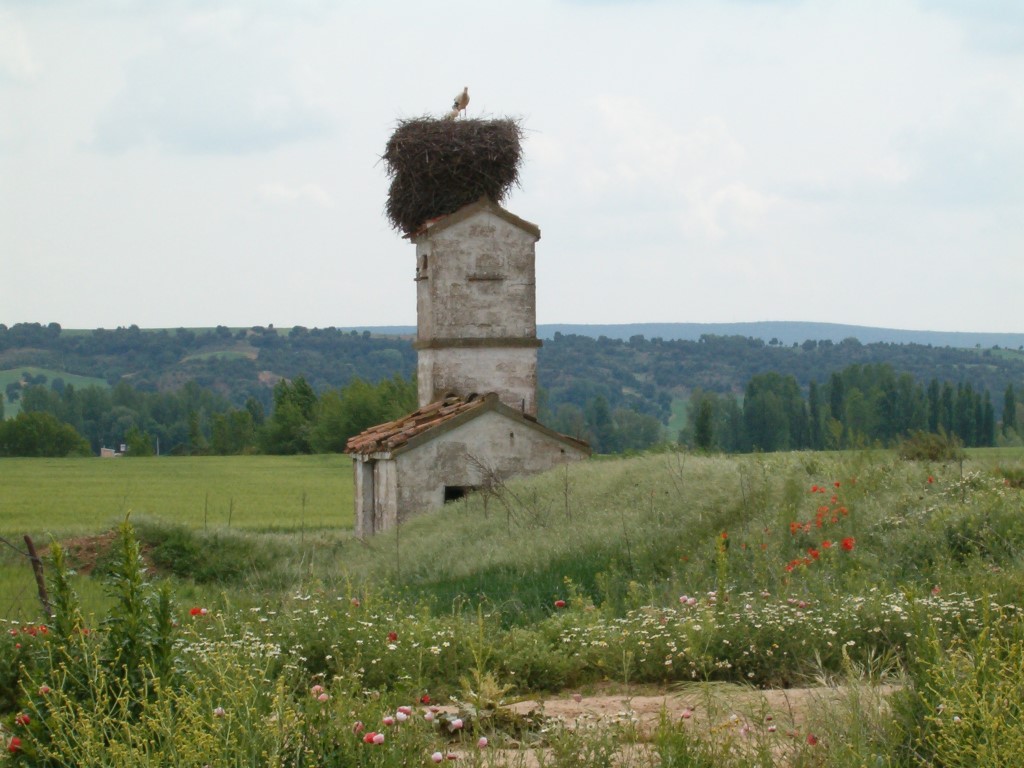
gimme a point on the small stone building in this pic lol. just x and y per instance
(476, 348)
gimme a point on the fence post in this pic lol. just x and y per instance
(37, 569)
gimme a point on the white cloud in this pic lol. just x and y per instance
(302, 193)
(16, 60)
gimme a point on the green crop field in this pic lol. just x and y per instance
(59, 497)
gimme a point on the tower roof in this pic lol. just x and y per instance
(484, 204)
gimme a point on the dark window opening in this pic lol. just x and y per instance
(456, 492)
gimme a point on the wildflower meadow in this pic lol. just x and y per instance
(888, 588)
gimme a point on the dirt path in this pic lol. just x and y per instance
(786, 719)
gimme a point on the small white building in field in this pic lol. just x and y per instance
(476, 348)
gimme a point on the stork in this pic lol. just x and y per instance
(461, 101)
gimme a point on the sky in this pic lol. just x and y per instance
(216, 162)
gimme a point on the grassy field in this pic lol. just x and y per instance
(267, 496)
(863, 575)
(61, 497)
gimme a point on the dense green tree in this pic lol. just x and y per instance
(947, 408)
(815, 423)
(289, 428)
(987, 422)
(1009, 410)
(704, 423)
(233, 432)
(934, 406)
(636, 431)
(40, 434)
(139, 443)
(836, 396)
(343, 413)
(601, 427)
(774, 414)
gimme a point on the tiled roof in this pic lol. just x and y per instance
(394, 434)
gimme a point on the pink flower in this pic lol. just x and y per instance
(378, 738)
(577, 698)
(405, 710)
(219, 712)
(355, 602)
(400, 716)
(455, 724)
(316, 690)
(481, 742)
(437, 757)
(323, 697)
(43, 690)
(428, 716)
(358, 727)
(388, 720)
(686, 714)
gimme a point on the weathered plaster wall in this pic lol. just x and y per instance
(476, 311)
(476, 279)
(468, 370)
(457, 458)
(385, 501)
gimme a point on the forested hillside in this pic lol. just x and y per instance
(619, 394)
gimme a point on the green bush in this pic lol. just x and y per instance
(930, 446)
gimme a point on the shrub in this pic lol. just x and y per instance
(929, 446)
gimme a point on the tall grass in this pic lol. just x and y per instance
(839, 570)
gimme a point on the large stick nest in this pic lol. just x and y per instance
(438, 166)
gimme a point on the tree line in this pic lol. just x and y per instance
(216, 390)
(860, 406)
(194, 420)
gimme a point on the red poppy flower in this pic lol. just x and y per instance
(815, 554)
(826, 544)
(425, 698)
(848, 543)
(559, 603)
(794, 528)
(836, 483)
(14, 745)
(392, 637)
(22, 719)
(812, 739)
(195, 611)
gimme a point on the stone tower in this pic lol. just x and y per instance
(476, 342)
(476, 306)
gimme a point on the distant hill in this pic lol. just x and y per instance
(787, 333)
